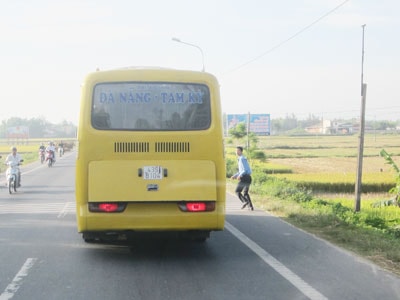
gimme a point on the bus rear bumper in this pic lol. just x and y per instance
(125, 236)
(142, 220)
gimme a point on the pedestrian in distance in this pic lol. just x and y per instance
(244, 178)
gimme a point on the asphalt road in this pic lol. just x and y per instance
(257, 256)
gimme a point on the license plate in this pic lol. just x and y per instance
(152, 172)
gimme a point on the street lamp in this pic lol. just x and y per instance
(202, 55)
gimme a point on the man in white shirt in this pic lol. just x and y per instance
(15, 158)
(244, 177)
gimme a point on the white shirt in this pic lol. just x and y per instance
(51, 148)
(13, 158)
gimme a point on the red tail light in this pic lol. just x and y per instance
(197, 206)
(107, 207)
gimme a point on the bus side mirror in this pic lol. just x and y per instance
(140, 172)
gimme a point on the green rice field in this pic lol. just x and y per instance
(329, 163)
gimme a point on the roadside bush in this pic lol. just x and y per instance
(344, 187)
(231, 167)
(260, 155)
(283, 189)
(339, 209)
(395, 231)
(259, 175)
(376, 222)
(289, 191)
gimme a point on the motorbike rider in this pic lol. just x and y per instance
(15, 158)
(42, 151)
(51, 147)
(61, 147)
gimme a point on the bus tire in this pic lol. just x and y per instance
(88, 238)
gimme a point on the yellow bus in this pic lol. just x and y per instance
(150, 158)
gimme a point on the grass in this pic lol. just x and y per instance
(326, 146)
(326, 141)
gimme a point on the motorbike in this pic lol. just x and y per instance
(50, 158)
(12, 175)
(41, 155)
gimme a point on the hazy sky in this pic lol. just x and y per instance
(47, 48)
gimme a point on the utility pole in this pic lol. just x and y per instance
(357, 204)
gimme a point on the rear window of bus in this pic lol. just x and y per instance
(152, 106)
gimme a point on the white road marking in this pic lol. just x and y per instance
(68, 207)
(61, 209)
(294, 279)
(15, 284)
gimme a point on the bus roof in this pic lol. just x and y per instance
(149, 74)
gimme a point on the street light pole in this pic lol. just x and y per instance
(201, 51)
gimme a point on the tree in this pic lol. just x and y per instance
(39, 127)
(395, 190)
(239, 132)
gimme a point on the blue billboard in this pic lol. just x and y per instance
(260, 124)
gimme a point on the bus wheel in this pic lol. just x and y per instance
(88, 238)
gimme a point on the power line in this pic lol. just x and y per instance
(289, 38)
